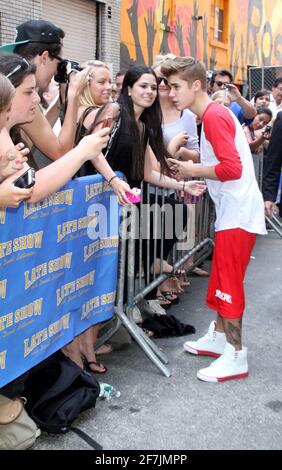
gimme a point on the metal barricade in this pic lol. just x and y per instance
(136, 227)
(274, 222)
(258, 166)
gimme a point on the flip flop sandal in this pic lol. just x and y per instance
(184, 281)
(179, 272)
(171, 297)
(87, 365)
(163, 301)
(175, 285)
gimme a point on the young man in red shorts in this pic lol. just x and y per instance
(227, 166)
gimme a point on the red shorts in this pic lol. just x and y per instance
(231, 256)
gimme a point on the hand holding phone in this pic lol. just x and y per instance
(26, 180)
(134, 198)
(267, 132)
(107, 122)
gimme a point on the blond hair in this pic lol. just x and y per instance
(7, 92)
(86, 98)
(161, 58)
(221, 96)
(188, 68)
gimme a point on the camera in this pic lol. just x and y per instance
(65, 67)
(26, 180)
(267, 128)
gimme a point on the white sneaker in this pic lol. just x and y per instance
(212, 344)
(231, 365)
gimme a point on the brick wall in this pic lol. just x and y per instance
(14, 12)
(110, 29)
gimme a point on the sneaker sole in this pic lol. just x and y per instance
(206, 378)
(199, 352)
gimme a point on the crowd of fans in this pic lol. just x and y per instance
(58, 130)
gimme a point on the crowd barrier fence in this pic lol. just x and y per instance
(142, 226)
(129, 257)
(58, 271)
(274, 222)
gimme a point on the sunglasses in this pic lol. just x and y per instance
(219, 83)
(60, 59)
(22, 66)
(162, 79)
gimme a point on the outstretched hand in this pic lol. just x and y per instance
(12, 196)
(196, 188)
(13, 160)
(121, 188)
(270, 209)
(182, 169)
(92, 145)
(180, 140)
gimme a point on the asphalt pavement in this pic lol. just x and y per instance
(181, 412)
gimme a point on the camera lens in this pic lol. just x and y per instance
(61, 75)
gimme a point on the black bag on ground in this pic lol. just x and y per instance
(164, 326)
(57, 392)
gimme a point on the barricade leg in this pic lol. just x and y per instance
(202, 248)
(275, 223)
(147, 345)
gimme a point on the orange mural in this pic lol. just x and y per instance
(225, 34)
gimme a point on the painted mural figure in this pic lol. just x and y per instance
(251, 33)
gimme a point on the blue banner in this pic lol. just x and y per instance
(58, 271)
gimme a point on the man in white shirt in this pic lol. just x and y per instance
(227, 166)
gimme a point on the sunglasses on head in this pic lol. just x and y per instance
(22, 66)
(162, 79)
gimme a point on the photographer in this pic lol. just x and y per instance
(40, 42)
(242, 108)
(257, 139)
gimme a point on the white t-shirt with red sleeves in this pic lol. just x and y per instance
(236, 195)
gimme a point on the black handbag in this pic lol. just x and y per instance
(57, 392)
(164, 326)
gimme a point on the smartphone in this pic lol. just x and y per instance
(26, 180)
(267, 128)
(134, 198)
(107, 122)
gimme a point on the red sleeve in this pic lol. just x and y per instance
(220, 130)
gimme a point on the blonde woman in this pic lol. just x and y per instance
(96, 94)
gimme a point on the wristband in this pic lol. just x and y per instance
(111, 179)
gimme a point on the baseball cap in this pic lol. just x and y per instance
(35, 31)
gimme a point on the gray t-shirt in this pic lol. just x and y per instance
(186, 123)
